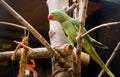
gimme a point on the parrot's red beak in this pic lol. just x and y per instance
(50, 17)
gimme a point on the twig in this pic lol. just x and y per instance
(71, 8)
(82, 19)
(15, 25)
(117, 48)
(100, 26)
(34, 32)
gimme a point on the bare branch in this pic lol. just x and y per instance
(71, 8)
(100, 26)
(15, 25)
(117, 48)
(40, 53)
(82, 19)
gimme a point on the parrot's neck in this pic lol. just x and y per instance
(64, 19)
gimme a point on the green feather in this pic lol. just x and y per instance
(77, 26)
(75, 23)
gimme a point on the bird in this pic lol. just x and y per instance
(71, 27)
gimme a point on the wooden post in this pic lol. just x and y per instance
(58, 38)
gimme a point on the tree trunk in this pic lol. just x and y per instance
(58, 38)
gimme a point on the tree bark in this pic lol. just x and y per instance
(38, 53)
(58, 38)
(83, 4)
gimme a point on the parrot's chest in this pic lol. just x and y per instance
(70, 30)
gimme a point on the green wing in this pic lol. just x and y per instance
(77, 26)
(89, 48)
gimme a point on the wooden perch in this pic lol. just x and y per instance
(41, 53)
(36, 53)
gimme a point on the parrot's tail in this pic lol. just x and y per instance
(92, 52)
(95, 56)
(108, 71)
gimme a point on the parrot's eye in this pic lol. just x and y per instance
(50, 17)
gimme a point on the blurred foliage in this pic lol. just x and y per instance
(4, 47)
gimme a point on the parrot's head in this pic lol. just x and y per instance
(58, 15)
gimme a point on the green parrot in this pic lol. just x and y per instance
(71, 28)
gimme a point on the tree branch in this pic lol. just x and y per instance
(71, 8)
(15, 25)
(100, 26)
(82, 18)
(40, 53)
(117, 48)
(36, 53)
